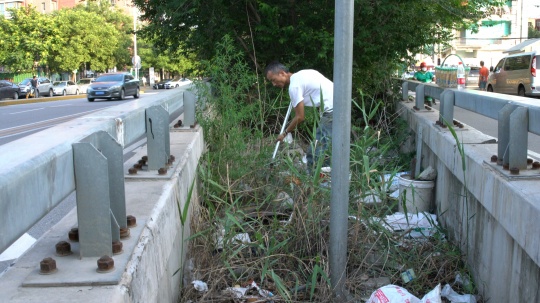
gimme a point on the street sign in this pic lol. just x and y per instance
(136, 60)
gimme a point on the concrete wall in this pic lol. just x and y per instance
(494, 220)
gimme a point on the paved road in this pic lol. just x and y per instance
(20, 120)
(487, 125)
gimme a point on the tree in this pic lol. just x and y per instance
(300, 33)
(81, 40)
(123, 33)
(25, 39)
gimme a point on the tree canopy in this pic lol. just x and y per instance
(300, 33)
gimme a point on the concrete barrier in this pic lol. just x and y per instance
(491, 216)
(155, 250)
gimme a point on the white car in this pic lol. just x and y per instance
(65, 88)
(177, 83)
(83, 84)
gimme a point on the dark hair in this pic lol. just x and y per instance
(275, 67)
(481, 63)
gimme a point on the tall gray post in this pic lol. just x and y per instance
(341, 136)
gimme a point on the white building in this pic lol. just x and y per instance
(504, 29)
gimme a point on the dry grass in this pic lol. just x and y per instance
(288, 249)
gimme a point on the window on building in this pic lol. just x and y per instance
(2, 9)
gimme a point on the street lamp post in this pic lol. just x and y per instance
(136, 60)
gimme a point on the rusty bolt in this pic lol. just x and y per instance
(529, 161)
(105, 264)
(131, 221)
(536, 165)
(132, 171)
(116, 247)
(63, 248)
(514, 171)
(162, 171)
(74, 234)
(506, 166)
(47, 266)
(144, 158)
(172, 158)
(124, 233)
(179, 122)
(137, 166)
(141, 162)
(494, 158)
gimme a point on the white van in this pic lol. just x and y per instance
(516, 75)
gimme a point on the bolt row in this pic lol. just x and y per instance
(515, 170)
(142, 162)
(105, 264)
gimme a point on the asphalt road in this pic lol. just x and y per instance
(23, 117)
(487, 125)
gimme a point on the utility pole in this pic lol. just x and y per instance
(341, 146)
(136, 61)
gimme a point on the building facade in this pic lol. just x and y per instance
(505, 28)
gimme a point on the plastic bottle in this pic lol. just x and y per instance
(460, 76)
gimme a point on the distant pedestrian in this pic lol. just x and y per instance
(484, 73)
(144, 81)
(33, 87)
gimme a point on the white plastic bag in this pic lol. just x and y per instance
(454, 297)
(395, 294)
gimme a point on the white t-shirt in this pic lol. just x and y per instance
(307, 85)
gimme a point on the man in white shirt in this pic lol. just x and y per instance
(306, 88)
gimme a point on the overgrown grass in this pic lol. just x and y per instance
(270, 223)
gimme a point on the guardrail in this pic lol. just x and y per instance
(38, 171)
(516, 116)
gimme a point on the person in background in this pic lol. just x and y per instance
(423, 75)
(309, 88)
(33, 87)
(483, 76)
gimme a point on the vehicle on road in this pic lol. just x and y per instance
(9, 89)
(516, 74)
(45, 87)
(84, 83)
(177, 83)
(65, 88)
(161, 84)
(473, 78)
(113, 85)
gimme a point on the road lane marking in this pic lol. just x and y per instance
(25, 111)
(41, 124)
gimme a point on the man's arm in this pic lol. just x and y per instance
(299, 117)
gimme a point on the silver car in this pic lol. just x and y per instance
(84, 83)
(45, 87)
(65, 88)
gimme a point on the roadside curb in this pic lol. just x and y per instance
(44, 99)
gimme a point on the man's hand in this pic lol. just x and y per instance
(281, 137)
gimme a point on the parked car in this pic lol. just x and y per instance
(161, 84)
(45, 87)
(516, 75)
(83, 84)
(177, 83)
(473, 77)
(65, 88)
(113, 85)
(9, 90)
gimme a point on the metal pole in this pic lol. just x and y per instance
(341, 135)
(135, 65)
(282, 130)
